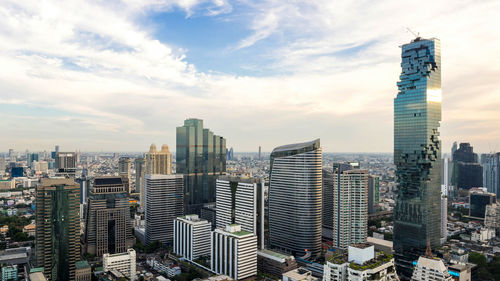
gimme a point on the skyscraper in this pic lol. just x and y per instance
(241, 201)
(156, 163)
(467, 172)
(295, 198)
(327, 205)
(66, 164)
(417, 153)
(139, 176)
(124, 166)
(164, 203)
(373, 193)
(350, 206)
(491, 172)
(200, 158)
(107, 219)
(58, 228)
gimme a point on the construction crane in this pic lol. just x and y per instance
(417, 35)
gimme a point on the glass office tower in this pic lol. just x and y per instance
(295, 198)
(417, 153)
(200, 157)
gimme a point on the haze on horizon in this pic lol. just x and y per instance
(119, 75)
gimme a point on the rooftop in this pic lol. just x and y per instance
(81, 264)
(297, 146)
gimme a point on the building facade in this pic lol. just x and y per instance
(107, 220)
(417, 153)
(191, 237)
(241, 201)
(66, 164)
(373, 194)
(200, 157)
(478, 200)
(58, 228)
(327, 205)
(233, 252)
(124, 263)
(491, 172)
(467, 172)
(429, 268)
(140, 168)
(164, 203)
(124, 170)
(295, 198)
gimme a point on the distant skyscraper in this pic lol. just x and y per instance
(11, 154)
(295, 198)
(373, 193)
(260, 153)
(417, 153)
(478, 200)
(107, 220)
(241, 201)
(139, 177)
(58, 228)
(66, 163)
(327, 206)
(156, 163)
(444, 218)
(350, 206)
(164, 203)
(453, 149)
(200, 158)
(467, 172)
(124, 167)
(491, 172)
(33, 157)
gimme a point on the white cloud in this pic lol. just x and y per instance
(115, 86)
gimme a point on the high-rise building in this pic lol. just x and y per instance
(491, 172)
(164, 203)
(158, 162)
(295, 198)
(200, 157)
(478, 200)
(233, 252)
(191, 237)
(58, 228)
(33, 157)
(373, 193)
(467, 172)
(124, 167)
(2, 166)
(66, 164)
(241, 201)
(350, 206)
(492, 216)
(327, 204)
(124, 263)
(107, 221)
(444, 219)
(260, 153)
(139, 177)
(417, 153)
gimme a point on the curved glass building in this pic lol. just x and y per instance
(417, 153)
(295, 198)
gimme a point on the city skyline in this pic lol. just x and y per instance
(284, 72)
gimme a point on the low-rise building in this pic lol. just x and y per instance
(9, 272)
(360, 263)
(30, 229)
(173, 270)
(430, 268)
(299, 274)
(462, 271)
(83, 271)
(122, 262)
(274, 263)
(482, 235)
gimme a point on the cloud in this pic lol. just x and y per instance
(331, 72)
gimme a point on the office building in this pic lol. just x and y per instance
(327, 204)
(191, 237)
(83, 272)
(107, 221)
(32, 157)
(444, 219)
(491, 172)
(478, 200)
(429, 268)
(373, 194)
(124, 167)
(208, 212)
(359, 263)
(241, 201)
(200, 157)
(124, 263)
(275, 263)
(350, 206)
(58, 228)
(2, 166)
(139, 177)
(66, 164)
(260, 153)
(467, 172)
(164, 203)
(295, 198)
(233, 252)
(417, 153)
(158, 162)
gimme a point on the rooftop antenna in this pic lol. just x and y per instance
(414, 34)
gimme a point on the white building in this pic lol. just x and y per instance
(122, 262)
(240, 201)
(234, 252)
(492, 216)
(361, 263)
(299, 274)
(192, 237)
(444, 219)
(430, 269)
(350, 206)
(482, 235)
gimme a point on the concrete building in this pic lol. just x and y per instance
(234, 252)
(107, 220)
(9, 272)
(66, 164)
(360, 263)
(327, 205)
(241, 201)
(295, 198)
(491, 172)
(274, 263)
(124, 168)
(58, 228)
(139, 177)
(122, 262)
(83, 272)
(299, 274)
(492, 216)
(155, 163)
(192, 237)
(164, 203)
(444, 219)
(429, 268)
(462, 271)
(350, 206)
(373, 194)
(478, 200)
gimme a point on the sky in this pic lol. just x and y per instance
(111, 75)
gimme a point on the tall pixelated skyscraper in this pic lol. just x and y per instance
(417, 153)
(155, 163)
(201, 157)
